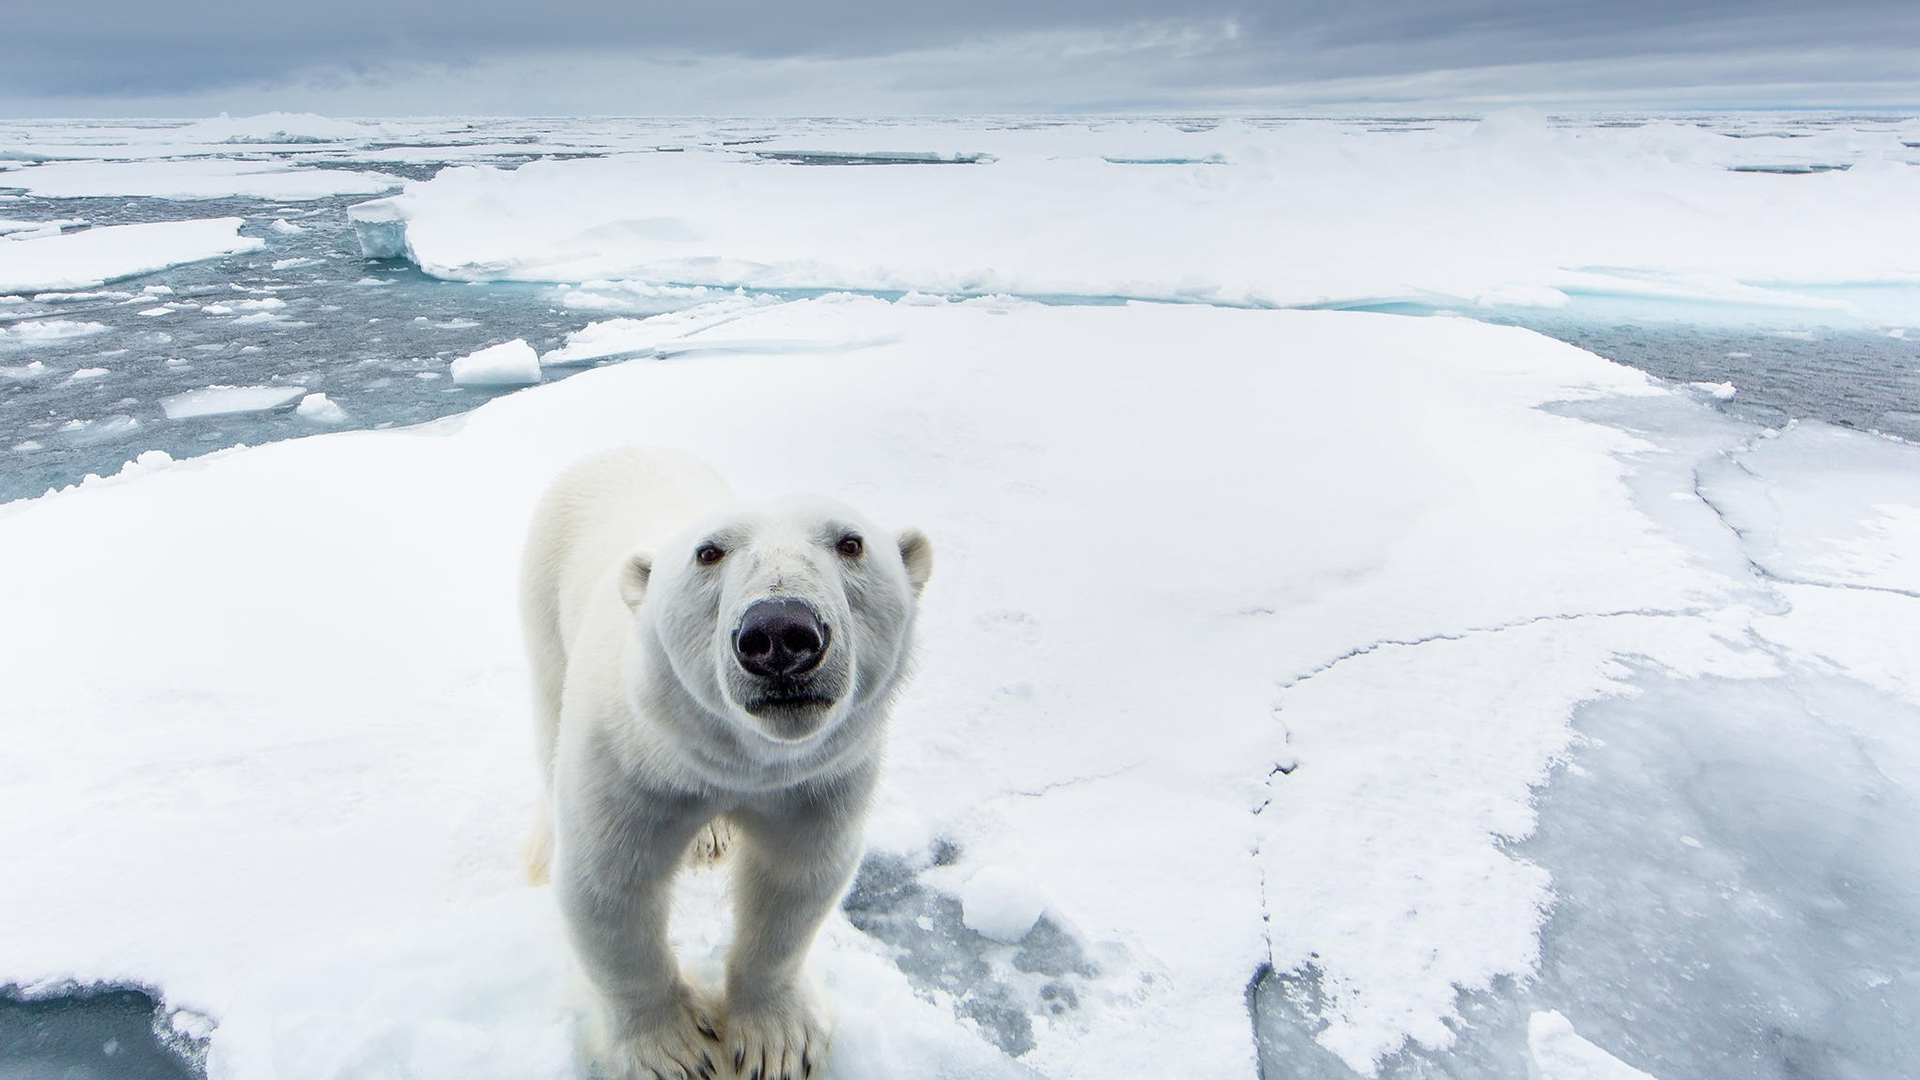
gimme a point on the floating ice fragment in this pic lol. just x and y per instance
(1559, 1053)
(88, 432)
(87, 374)
(1718, 391)
(381, 226)
(45, 330)
(285, 228)
(320, 409)
(510, 363)
(221, 400)
(25, 372)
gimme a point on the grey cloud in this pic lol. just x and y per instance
(123, 49)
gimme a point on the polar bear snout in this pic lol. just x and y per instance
(780, 639)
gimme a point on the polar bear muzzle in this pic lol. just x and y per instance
(780, 639)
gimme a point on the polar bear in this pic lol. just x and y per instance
(705, 667)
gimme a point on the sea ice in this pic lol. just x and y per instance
(510, 363)
(1389, 574)
(41, 331)
(621, 338)
(1515, 213)
(272, 128)
(27, 372)
(196, 178)
(220, 400)
(319, 409)
(86, 259)
(1559, 1053)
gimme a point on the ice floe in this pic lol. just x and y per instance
(1370, 571)
(510, 363)
(1512, 212)
(221, 400)
(82, 260)
(196, 178)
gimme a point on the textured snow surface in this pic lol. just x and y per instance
(1252, 635)
(82, 260)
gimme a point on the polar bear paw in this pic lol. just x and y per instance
(710, 844)
(778, 1040)
(681, 1044)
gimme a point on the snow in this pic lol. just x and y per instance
(510, 363)
(1398, 559)
(1513, 212)
(997, 902)
(86, 259)
(222, 400)
(196, 178)
(1559, 1053)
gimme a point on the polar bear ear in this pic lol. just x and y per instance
(634, 577)
(917, 553)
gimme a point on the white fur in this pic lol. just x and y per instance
(650, 745)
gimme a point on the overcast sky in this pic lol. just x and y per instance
(768, 57)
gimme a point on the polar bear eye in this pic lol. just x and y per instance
(850, 546)
(708, 554)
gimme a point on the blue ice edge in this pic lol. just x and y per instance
(1736, 897)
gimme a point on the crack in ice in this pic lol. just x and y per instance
(1474, 631)
(1071, 781)
(1754, 566)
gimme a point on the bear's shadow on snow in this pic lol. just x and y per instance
(996, 986)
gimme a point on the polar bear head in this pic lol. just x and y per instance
(783, 617)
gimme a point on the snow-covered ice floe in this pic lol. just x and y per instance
(1510, 213)
(82, 260)
(1254, 636)
(196, 178)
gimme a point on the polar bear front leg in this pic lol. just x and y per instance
(613, 877)
(795, 860)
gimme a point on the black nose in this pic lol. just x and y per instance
(779, 639)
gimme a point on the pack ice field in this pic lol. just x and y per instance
(1418, 597)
